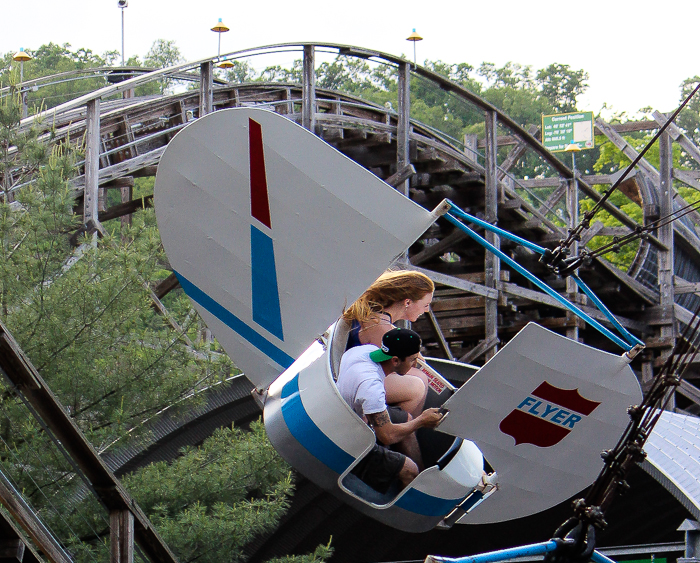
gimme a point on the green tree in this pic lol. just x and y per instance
(241, 72)
(162, 54)
(689, 118)
(238, 485)
(88, 325)
(53, 59)
(561, 85)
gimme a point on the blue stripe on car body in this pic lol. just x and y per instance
(310, 436)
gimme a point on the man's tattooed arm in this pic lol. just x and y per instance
(378, 419)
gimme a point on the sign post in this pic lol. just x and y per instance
(563, 129)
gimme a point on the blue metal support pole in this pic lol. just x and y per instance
(539, 283)
(598, 557)
(500, 232)
(628, 340)
(503, 554)
(631, 338)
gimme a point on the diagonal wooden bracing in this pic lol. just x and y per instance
(128, 523)
(479, 302)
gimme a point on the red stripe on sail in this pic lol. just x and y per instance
(259, 202)
(567, 398)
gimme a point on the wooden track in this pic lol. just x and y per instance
(479, 303)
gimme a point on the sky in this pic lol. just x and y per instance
(636, 52)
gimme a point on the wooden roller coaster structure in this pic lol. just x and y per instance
(479, 303)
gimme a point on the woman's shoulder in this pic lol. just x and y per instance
(372, 332)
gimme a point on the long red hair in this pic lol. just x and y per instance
(387, 289)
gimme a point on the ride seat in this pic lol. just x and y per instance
(338, 344)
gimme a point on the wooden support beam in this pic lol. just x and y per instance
(572, 222)
(146, 171)
(628, 150)
(30, 523)
(441, 337)
(124, 182)
(158, 306)
(471, 141)
(679, 312)
(308, 106)
(677, 135)
(92, 161)
(23, 375)
(439, 248)
(631, 285)
(594, 230)
(681, 286)
(492, 264)
(12, 550)
(166, 286)
(127, 194)
(451, 281)
(403, 129)
(689, 391)
(206, 88)
(401, 176)
(14, 546)
(554, 197)
(482, 347)
(121, 536)
(688, 178)
(514, 290)
(665, 233)
(126, 208)
(516, 153)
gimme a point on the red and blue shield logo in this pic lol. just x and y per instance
(547, 416)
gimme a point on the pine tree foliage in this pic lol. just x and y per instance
(84, 316)
(237, 487)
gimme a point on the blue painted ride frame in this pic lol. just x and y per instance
(627, 342)
(516, 552)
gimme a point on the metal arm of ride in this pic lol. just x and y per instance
(628, 341)
(515, 553)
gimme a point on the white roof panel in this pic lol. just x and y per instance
(673, 458)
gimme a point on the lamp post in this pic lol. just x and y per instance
(21, 56)
(572, 212)
(573, 148)
(122, 4)
(219, 28)
(414, 37)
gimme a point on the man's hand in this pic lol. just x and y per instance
(430, 418)
(390, 433)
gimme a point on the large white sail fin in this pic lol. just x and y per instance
(541, 411)
(272, 231)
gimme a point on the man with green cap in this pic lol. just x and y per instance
(361, 383)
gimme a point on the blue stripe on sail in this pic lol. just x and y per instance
(266, 297)
(234, 323)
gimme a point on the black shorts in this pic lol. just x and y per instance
(380, 467)
(397, 415)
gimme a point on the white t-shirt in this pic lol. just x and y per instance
(361, 381)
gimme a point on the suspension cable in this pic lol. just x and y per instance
(553, 258)
(625, 340)
(589, 511)
(568, 265)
